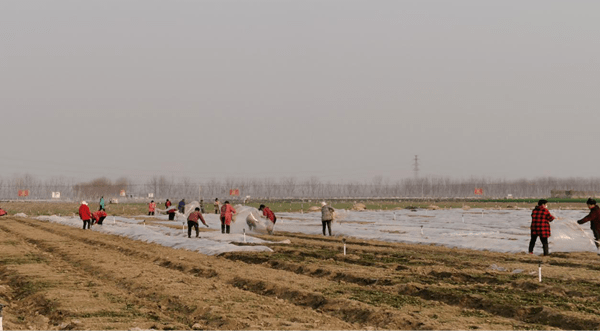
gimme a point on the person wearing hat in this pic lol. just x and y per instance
(326, 216)
(594, 218)
(85, 215)
(193, 222)
(540, 225)
(270, 216)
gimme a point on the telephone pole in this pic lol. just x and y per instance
(416, 166)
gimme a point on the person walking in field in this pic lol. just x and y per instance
(193, 222)
(101, 203)
(99, 216)
(326, 217)
(594, 218)
(202, 206)
(270, 216)
(227, 212)
(85, 215)
(217, 206)
(540, 226)
(151, 208)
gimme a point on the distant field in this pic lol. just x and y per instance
(129, 209)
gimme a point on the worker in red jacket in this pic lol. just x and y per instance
(193, 221)
(85, 215)
(227, 212)
(540, 225)
(151, 207)
(99, 216)
(270, 216)
(171, 212)
(594, 218)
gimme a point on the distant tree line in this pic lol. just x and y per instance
(162, 187)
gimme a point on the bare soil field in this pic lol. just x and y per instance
(59, 277)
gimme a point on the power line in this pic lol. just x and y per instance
(416, 166)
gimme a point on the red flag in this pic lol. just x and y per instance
(23, 193)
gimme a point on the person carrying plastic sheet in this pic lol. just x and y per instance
(251, 221)
(270, 216)
(99, 216)
(181, 206)
(193, 222)
(227, 212)
(151, 208)
(326, 217)
(594, 218)
(85, 215)
(540, 225)
(171, 212)
(217, 206)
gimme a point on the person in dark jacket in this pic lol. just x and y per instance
(193, 222)
(594, 218)
(270, 216)
(181, 206)
(326, 217)
(540, 226)
(85, 214)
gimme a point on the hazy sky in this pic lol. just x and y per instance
(342, 90)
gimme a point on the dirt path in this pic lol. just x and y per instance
(59, 277)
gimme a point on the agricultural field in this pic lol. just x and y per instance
(54, 276)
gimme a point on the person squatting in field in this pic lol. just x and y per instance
(99, 216)
(270, 216)
(594, 218)
(540, 225)
(85, 215)
(227, 212)
(193, 222)
(326, 216)
(151, 207)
